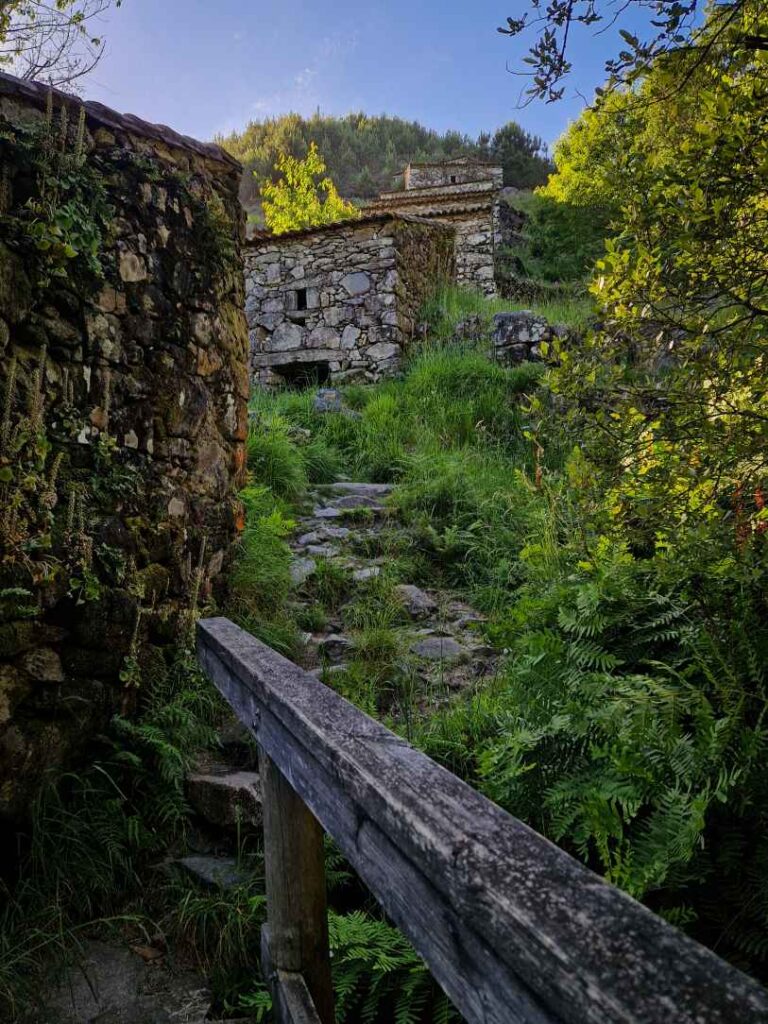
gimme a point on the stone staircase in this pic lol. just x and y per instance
(440, 635)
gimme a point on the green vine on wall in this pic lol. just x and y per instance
(55, 204)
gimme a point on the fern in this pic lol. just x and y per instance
(378, 976)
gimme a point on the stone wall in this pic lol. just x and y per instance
(451, 173)
(123, 364)
(471, 207)
(340, 303)
(516, 337)
(475, 248)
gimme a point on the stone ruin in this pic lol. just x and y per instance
(516, 336)
(143, 377)
(462, 193)
(341, 302)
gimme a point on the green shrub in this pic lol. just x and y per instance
(329, 584)
(322, 463)
(561, 241)
(260, 579)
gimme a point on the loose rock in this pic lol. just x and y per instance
(225, 798)
(439, 648)
(416, 602)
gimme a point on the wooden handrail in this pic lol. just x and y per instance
(513, 928)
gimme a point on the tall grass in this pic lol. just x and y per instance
(450, 305)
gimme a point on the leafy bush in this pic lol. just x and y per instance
(561, 241)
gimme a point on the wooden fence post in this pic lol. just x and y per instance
(297, 912)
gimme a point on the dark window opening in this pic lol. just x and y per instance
(301, 298)
(453, 179)
(297, 376)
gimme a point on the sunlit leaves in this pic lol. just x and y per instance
(303, 197)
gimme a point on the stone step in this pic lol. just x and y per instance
(363, 489)
(224, 797)
(440, 648)
(215, 872)
(348, 501)
(301, 569)
(322, 550)
(322, 534)
(111, 983)
(333, 647)
(418, 603)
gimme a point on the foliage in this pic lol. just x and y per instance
(261, 578)
(50, 40)
(377, 975)
(560, 241)
(365, 154)
(64, 217)
(678, 405)
(96, 834)
(302, 197)
(674, 28)
(522, 156)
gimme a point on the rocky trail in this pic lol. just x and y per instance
(350, 528)
(346, 537)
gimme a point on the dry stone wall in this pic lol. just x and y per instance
(451, 173)
(340, 303)
(470, 207)
(123, 364)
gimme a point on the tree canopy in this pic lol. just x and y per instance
(673, 26)
(303, 197)
(364, 154)
(681, 160)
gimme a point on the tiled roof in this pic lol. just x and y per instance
(458, 188)
(480, 199)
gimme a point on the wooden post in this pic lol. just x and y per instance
(297, 912)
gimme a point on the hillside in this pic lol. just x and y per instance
(364, 154)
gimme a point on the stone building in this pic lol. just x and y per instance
(464, 194)
(341, 302)
(130, 363)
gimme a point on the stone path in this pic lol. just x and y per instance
(349, 528)
(349, 537)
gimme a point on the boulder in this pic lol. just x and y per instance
(516, 336)
(368, 573)
(334, 646)
(301, 570)
(216, 872)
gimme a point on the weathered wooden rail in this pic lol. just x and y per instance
(512, 928)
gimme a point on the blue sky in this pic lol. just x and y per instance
(206, 68)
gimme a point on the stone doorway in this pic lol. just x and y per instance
(297, 376)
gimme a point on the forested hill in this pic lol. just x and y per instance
(363, 154)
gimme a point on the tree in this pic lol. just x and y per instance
(676, 26)
(303, 198)
(50, 40)
(383, 145)
(681, 159)
(523, 156)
